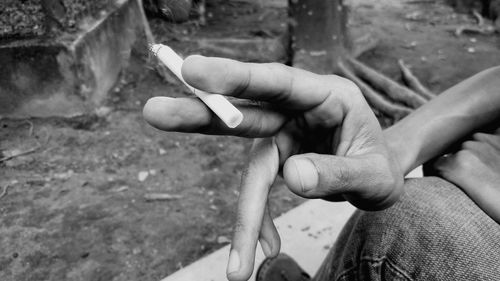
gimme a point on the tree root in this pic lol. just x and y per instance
(376, 100)
(383, 83)
(382, 93)
(340, 50)
(364, 43)
(412, 81)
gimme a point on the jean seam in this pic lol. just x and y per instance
(396, 269)
(392, 265)
(345, 272)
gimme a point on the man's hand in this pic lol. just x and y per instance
(328, 141)
(475, 168)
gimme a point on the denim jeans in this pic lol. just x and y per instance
(435, 232)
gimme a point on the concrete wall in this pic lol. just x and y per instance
(72, 74)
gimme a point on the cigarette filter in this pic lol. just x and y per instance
(227, 112)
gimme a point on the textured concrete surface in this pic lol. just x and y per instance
(70, 74)
(307, 232)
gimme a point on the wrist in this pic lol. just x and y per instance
(401, 148)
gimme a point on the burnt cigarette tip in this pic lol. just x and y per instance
(154, 48)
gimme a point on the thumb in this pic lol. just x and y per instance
(368, 181)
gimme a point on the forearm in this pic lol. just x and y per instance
(432, 128)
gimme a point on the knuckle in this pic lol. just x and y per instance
(345, 90)
(487, 141)
(476, 148)
(328, 79)
(351, 88)
(469, 145)
(345, 81)
(328, 114)
(342, 83)
(464, 159)
(480, 136)
(351, 85)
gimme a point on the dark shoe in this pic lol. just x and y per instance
(281, 268)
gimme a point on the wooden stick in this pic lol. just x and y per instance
(22, 153)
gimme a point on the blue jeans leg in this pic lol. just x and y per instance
(435, 232)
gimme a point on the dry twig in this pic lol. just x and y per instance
(22, 153)
(4, 192)
(485, 30)
(30, 132)
(161, 196)
(28, 151)
(479, 18)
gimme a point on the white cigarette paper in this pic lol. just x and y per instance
(227, 112)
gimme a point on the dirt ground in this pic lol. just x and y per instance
(76, 208)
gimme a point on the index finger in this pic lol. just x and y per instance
(272, 82)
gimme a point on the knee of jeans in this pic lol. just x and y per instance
(431, 213)
(434, 223)
(429, 202)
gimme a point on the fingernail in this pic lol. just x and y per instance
(266, 248)
(307, 173)
(234, 262)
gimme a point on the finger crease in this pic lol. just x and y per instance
(244, 86)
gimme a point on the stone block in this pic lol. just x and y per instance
(71, 74)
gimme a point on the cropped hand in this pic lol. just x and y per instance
(475, 168)
(326, 138)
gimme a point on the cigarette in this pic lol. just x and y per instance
(227, 112)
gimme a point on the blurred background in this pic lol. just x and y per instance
(88, 191)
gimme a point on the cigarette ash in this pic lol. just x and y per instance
(152, 50)
(152, 60)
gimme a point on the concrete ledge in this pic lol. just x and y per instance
(307, 232)
(69, 75)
